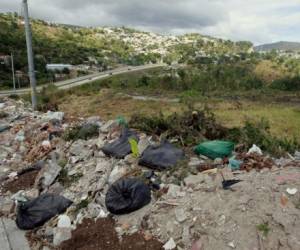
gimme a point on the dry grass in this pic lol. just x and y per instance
(284, 118)
(109, 104)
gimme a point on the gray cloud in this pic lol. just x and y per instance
(256, 20)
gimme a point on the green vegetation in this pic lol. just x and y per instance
(194, 126)
(83, 132)
(264, 228)
(67, 180)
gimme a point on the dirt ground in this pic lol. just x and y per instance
(25, 181)
(101, 235)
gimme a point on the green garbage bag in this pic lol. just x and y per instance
(215, 149)
(121, 121)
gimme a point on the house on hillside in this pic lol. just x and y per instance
(4, 59)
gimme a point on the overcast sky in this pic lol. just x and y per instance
(259, 21)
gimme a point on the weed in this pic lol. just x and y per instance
(190, 127)
(259, 133)
(83, 132)
(67, 180)
(81, 205)
(264, 228)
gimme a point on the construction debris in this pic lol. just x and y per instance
(197, 204)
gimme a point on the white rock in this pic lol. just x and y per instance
(61, 235)
(170, 244)
(20, 136)
(292, 191)
(143, 144)
(102, 165)
(102, 214)
(117, 173)
(173, 191)
(54, 115)
(180, 215)
(46, 144)
(108, 126)
(218, 161)
(64, 221)
(231, 244)
(12, 175)
(194, 162)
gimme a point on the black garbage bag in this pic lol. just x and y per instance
(161, 157)
(36, 212)
(120, 147)
(127, 195)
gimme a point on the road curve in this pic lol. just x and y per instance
(70, 83)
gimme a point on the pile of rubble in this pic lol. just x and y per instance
(190, 208)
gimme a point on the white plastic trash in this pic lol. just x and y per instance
(255, 149)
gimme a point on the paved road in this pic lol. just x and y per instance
(11, 238)
(85, 79)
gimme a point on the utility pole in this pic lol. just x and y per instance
(13, 71)
(30, 55)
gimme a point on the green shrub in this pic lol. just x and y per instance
(83, 132)
(287, 84)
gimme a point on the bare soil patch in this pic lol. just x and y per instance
(101, 235)
(24, 181)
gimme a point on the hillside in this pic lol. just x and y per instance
(102, 46)
(283, 46)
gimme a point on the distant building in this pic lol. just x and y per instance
(4, 59)
(60, 67)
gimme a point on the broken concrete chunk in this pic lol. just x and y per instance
(144, 142)
(180, 215)
(54, 115)
(4, 127)
(170, 244)
(117, 173)
(109, 126)
(61, 235)
(63, 221)
(173, 191)
(48, 174)
(193, 180)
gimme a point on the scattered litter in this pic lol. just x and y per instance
(255, 161)
(12, 175)
(292, 191)
(127, 195)
(19, 196)
(120, 147)
(228, 183)
(161, 157)
(283, 200)
(235, 164)
(255, 150)
(36, 212)
(134, 147)
(215, 149)
(170, 244)
(210, 171)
